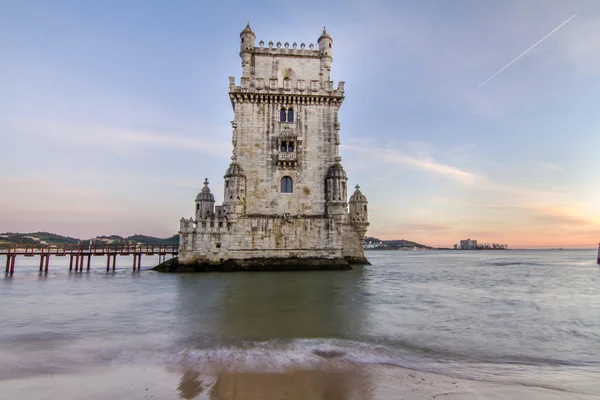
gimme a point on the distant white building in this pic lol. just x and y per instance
(468, 244)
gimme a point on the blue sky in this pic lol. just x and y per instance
(113, 112)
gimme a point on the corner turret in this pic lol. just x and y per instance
(247, 38)
(336, 191)
(326, 51)
(359, 214)
(205, 203)
(235, 190)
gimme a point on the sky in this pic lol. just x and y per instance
(112, 113)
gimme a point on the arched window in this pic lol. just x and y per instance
(290, 116)
(286, 185)
(290, 147)
(283, 147)
(282, 115)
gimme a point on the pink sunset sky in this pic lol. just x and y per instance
(461, 119)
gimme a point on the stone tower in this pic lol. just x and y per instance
(285, 202)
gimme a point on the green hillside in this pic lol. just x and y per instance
(43, 238)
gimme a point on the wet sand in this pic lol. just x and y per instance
(373, 382)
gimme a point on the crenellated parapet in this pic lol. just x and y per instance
(275, 86)
(286, 50)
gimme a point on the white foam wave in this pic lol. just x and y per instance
(300, 353)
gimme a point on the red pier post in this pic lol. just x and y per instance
(10, 263)
(47, 263)
(114, 260)
(71, 263)
(107, 262)
(139, 261)
(89, 261)
(81, 263)
(134, 260)
(42, 260)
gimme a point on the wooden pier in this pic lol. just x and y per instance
(82, 254)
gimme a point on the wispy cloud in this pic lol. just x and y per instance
(126, 139)
(563, 216)
(393, 157)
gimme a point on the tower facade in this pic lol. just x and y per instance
(285, 195)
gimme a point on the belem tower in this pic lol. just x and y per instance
(285, 200)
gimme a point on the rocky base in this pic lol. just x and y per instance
(257, 264)
(357, 260)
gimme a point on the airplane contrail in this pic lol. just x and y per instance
(526, 51)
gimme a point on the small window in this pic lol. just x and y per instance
(365, 207)
(329, 44)
(226, 184)
(282, 116)
(290, 116)
(290, 147)
(243, 40)
(283, 147)
(286, 185)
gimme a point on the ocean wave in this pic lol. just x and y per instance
(277, 355)
(299, 353)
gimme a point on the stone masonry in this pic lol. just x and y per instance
(285, 196)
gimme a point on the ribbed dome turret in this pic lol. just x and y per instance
(325, 35)
(357, 196)
(205, 194)
(336, 171)
(234, 170)
(247, 30)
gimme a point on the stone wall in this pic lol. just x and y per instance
(262, 237)
(259, 134)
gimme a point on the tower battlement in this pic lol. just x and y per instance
(285, 50)
(275, 85)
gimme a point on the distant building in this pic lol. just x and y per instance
(373, 243)
(468, 244)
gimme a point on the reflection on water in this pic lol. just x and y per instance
(190, 386)
(254, 322)
(271, 305)
(332, 384)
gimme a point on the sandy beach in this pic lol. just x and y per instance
(378, 382)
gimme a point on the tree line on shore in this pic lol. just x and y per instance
(10, 238)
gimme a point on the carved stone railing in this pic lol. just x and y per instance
(287, 156)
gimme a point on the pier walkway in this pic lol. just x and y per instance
(81, 253)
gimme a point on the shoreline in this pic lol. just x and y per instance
(352, 381)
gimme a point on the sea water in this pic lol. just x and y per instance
(527, 317)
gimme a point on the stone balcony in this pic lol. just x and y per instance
(286, 160)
